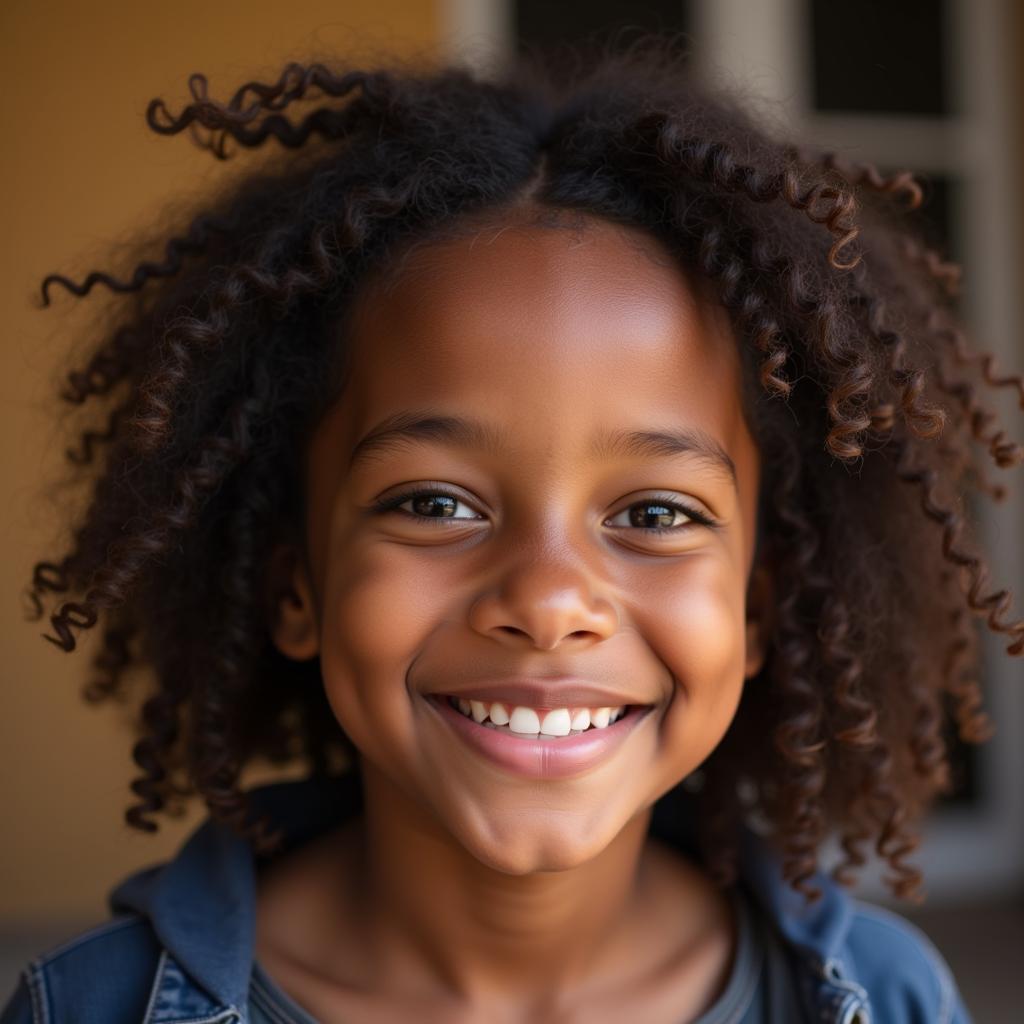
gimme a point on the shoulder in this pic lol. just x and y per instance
(905, 976)
(75, 977)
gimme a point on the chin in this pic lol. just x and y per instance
(551, 842)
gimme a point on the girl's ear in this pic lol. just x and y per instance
(760, 617)
(293, 626)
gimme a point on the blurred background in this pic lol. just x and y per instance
(933, 86)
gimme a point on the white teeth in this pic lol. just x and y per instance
(524, 720)
(556, 723)
(527, 721)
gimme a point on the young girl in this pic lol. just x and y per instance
(570, 476)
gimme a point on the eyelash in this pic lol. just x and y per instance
(392, 503)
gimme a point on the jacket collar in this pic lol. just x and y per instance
(201, 904)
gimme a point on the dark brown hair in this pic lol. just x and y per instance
(865, 398)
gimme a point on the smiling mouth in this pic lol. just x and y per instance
(532, 753)
(537, 723)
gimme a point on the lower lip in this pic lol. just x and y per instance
(556, 758)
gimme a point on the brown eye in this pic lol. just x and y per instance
(660, 516)
(426, 504)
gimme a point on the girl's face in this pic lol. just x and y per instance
(526, 558)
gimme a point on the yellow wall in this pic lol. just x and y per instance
(79, 172)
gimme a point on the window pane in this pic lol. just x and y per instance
(936, 217)
(879, 57)
(545, 23)
(963, 764)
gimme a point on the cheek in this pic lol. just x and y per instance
(377, 613)
(694, 624)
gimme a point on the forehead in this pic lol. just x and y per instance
(550, 332)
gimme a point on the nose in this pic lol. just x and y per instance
(545, 600)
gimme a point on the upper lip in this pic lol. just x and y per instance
(541, 693)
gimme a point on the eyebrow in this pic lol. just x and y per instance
(420, 426)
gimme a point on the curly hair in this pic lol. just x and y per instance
(865, 398)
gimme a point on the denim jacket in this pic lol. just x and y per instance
(178, 948)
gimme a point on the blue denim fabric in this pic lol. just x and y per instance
(179, 946)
